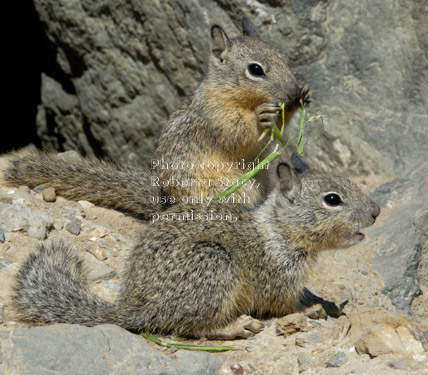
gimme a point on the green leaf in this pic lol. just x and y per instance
(301, 127)
(220, 348)
(247, 176)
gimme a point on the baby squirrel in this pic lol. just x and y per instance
(220, 123)
(225, 117)
(197, 271)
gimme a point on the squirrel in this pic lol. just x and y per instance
(203, 272)
(218, 125)
(221, 123)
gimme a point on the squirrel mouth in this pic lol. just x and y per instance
(358, 237)
(352, 239)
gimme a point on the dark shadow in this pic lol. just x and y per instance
(23, 57)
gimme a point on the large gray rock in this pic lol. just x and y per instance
(103, 350)
(121, 68)
(400, 246)
(17, 218)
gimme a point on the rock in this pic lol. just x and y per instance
(97, 251)
(290, 324)
(377, 332)
(338, 360)
(109, 62)
(237, 369)
(396, 365)
(304, 362)
(14, 218)
(409, 342)
(72, 227)
(381, 339)
(4, 263)
(400, 246)
(23, 193)
(2, 237)
(99, 271)
(49, 194)
(315, 312)
(106, 349)
(341, 329)
(308, 338)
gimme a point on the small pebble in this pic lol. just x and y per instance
(38, 189)
(237, 369)
(338, 360)
(75, 219)
(396, 365)
(252, 368)
(73, 228)
(4, 263)
(104, 245)
(172, 349)
(99, 233)
(2, 238)
(98, 252)
(49, 195)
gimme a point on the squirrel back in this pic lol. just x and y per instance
(197, 270)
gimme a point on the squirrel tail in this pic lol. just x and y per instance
(51, 287)
(127, 189)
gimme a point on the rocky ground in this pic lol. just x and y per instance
(369, 338)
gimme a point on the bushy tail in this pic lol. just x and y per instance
(51, 287)
(126, 189)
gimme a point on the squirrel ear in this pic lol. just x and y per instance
(288, 181)
(248, 28)
(220, 42)
(299, 163)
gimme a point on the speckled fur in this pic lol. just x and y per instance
(124, 188)
(218, 123)
(194, 277)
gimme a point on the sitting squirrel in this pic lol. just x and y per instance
(220, 124)
(198, 270)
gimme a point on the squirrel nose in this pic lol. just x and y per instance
(375, 210)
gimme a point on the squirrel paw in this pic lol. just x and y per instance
(243, 327)
(267, 114)
(304, 96)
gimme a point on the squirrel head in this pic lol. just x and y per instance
(249, 70)
(321, 211)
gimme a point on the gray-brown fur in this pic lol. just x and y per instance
(196, 278)
(220, 123)
(124, 188)
(225, 117)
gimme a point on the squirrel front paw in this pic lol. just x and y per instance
(243, 327)
(267, 114)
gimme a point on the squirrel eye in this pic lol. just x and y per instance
(256, 70)
(332, 199)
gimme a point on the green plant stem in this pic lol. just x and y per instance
(156, 340)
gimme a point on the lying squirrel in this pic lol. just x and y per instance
(220, 123)
(197, 271)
